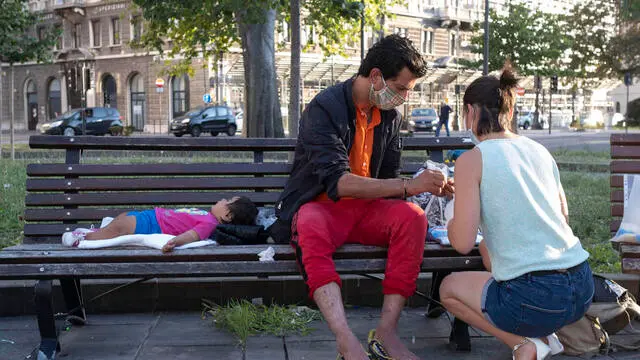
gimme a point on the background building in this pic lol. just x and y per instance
(93, 63)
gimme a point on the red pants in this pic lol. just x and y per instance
(321, 227)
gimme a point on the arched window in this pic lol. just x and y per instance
(31, 101)
(110, 92)
(137, 96)
(180, 94)
(54, 99)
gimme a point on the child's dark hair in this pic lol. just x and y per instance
(243, 211)
(392, 54)
(494, 98)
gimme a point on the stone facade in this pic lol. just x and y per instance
(94, 51)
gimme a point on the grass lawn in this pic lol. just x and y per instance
(587, 194)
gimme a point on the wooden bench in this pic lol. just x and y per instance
(625, 159)
(77, 193)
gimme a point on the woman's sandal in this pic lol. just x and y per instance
(376, 349)
(542, 350)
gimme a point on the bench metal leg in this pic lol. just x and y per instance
(46, 321)
(434, 309)
(72, 293)
(459, 339)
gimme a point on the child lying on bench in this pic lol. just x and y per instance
(185, 225)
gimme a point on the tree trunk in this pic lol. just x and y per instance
(294, 79)
(13, 113)
(262, 105)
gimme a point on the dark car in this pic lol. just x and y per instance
(98, 122)
(425, 119)
(212, 119)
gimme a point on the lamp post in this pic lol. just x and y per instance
(485, 68)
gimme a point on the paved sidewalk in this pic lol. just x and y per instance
(167, 336)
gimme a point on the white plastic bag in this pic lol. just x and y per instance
(629, 230)
(433, 206)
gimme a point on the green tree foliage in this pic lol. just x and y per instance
(188, 29)
(589, 27)
(18, 39)
(532, 40)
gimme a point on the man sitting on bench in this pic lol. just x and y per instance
(345, 169)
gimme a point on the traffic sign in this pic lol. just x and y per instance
(159, 83)
(520, 91)
(627, 79)
(206, 98)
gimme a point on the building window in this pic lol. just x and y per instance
(40, 32)
(58, 30)
(95, 34)
(115, 31)
(180, 94)
(401, 31)
(427, 42)
(453, 44)
(77, 34)
(136, 27)
(54, 99)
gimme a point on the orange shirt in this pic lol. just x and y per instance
(362, 148)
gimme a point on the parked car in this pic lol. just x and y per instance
(99, 120)
(425, 119)
(525, 119)
(212, 119)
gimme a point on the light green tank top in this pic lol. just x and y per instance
(521, 216)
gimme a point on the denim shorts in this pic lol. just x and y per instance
(538, 303)
(146, 222)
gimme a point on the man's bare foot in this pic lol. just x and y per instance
(526, 352)
(350, 348)
(393, 345)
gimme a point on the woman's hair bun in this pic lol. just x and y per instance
(508, 78)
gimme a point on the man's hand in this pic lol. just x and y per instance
(168, 247)
(449, 188)
(432, 181)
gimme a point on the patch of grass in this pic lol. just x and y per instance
(12, 192)
(243, 319)
(589, 216)
(563, 155)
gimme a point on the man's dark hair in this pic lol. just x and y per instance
(392, 54)
(243, 211)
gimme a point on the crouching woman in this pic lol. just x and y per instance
(509, 186)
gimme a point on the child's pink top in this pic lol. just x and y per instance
(178, 221)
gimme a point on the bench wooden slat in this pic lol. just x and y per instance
(630, 265)
(217, 268)
(630, 250)
(616, 181)
(146, 198)
(625, 139)
(58, 253)
(80, 214)
(615, 225)
(129, 184)
(625, 167)
(625, 152)
(212, 169)
(158, 169)
(617, 209)
(215, 144)
(617, 196)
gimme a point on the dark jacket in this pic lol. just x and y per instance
(326, 132)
